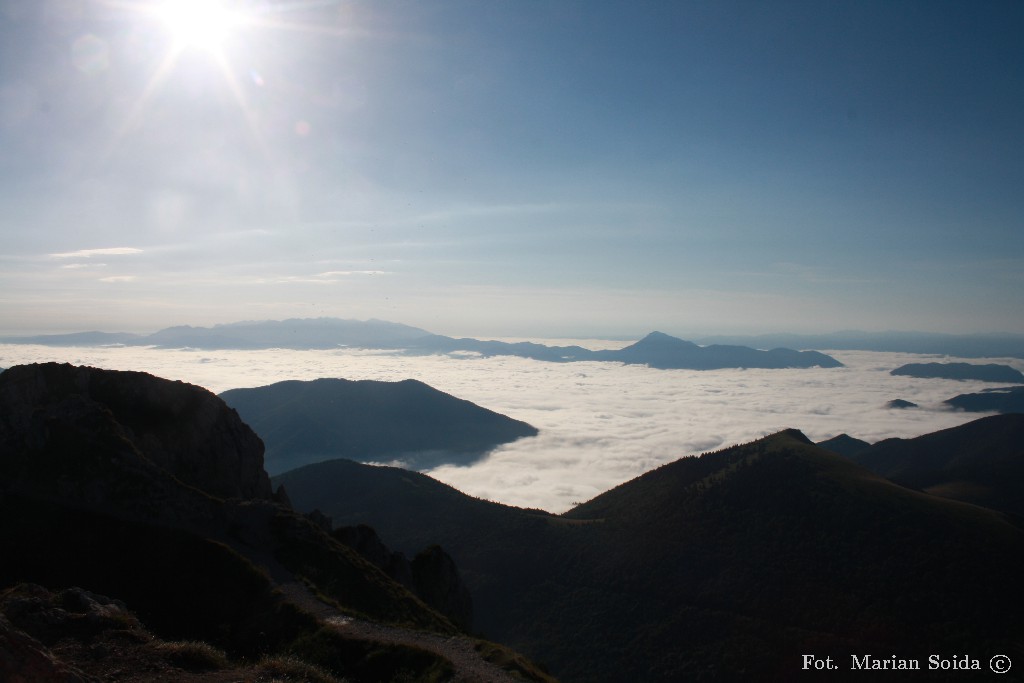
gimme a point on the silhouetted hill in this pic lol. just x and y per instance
(1001, 400)
(153, 492)
(660, 350)
(990, 372)
(900, 404)
(311, 333)
(657, 350)
(437, 343)
(728, 565)
(961, 345)
(304, 422)
(844, 444)
(981, 462)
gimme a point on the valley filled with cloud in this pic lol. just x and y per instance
(600, 423)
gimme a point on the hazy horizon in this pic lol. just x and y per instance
(564, 169)
(585, 340)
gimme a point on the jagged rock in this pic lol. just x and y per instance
(281, 496)
(365, 541)
(31, 618)
(180, 428)
(432, 575)
(321, 520)
(72, 612)
(23, 659)
(438, 583)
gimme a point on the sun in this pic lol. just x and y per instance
(204, 24)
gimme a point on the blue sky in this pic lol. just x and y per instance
(516, 168)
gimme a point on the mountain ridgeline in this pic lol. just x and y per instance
(1001, 400)
(729, 565)
(981, 462)
(988, 372)
(370, 421)
(657, 350)
(153, 492)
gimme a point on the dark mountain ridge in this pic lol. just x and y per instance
(1001, 400)
(153, 492)
(960, 345)
(722, 566)
(844, 444)
(981, 462)
(990, 372)
(366, 420)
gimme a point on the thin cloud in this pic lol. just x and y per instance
(119, 278)
(347, 273)
(89, 253)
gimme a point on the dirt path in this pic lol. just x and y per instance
(469, 665)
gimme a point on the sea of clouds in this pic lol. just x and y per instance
(600, 423)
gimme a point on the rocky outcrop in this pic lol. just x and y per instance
(23, 659)
(182, 429)
(33, 620)
(365, 541)
(432, 574)
(438, 583)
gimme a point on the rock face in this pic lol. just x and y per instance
(439, 584)
(32, 620)
(182, 429)
(432, 575)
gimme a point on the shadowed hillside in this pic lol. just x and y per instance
(981, 462)
(730, 564)
(153, 492)
(304, 422)
(844, 444)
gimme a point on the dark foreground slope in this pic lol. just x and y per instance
(724, 566)
(981, 462)
(119, 483)
(304, 422)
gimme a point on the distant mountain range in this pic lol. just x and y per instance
(990, 372)
(717, 566)
(305, 422)
(657, 350)
(962, 345)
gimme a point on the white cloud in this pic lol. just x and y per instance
(89, 253)
(601, 423)
(119, 278)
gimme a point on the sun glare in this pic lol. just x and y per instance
(198, 23)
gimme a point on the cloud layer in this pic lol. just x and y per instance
(601, 423)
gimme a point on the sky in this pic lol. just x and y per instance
(513, 168)
(600, 424)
